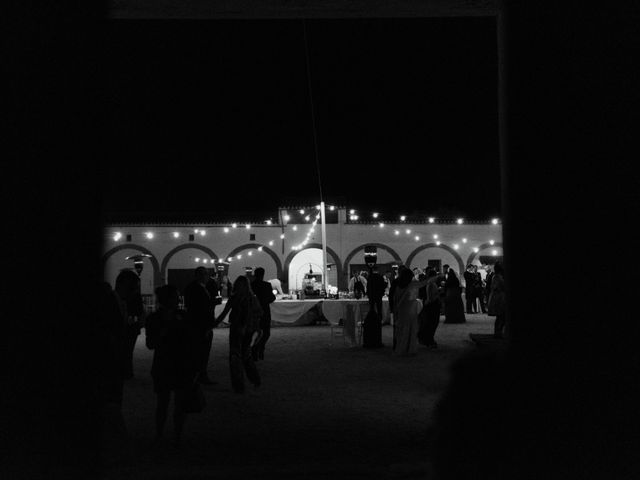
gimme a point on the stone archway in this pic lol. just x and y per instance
(484, 246)
(157, 279)
(330, 251)
(394, 254)
(167, 257)
(455, 255)
(267, 250)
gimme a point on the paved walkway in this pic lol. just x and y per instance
(324, 410)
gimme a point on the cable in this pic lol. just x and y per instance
(313, 116)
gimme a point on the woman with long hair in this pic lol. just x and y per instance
(243, 329)
(405, 313)
(453, 306)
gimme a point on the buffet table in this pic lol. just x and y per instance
(297, 312)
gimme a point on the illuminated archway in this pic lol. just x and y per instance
(167, 257)
(455, 255)
(265, 249)
(157, 280)
(391, 251)
(342, 285)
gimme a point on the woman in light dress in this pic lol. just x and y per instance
(405, 313)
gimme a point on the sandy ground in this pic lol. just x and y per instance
(325, 410)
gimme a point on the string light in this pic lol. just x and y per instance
(238, 257)
(352, 211)
(234, 225)
(250, 253)
(408, 232)
(196, 231)
(332, 208)
(270, 243)
(197, 259)
(318, 207)
(247, 226)
(117, 236)
(403, 218)
(435, 237)
(375, 214)
(226, 230)
(491, 242)
(397, 232)
(417, 238)
(459, 221)
(438, 243)
(287, 218)
(282, 236)
(307, 218)
(464, 240)
(301, 212)
(295, 228)
(149, 235)
(268, 222)
(476, 249)
(204, 260)
(431, 219)
(381, 224)
(229, 259)
(202, 233)
(456, 246)
(259, 249)
(494, 221)
(494, 252)
(176, 235)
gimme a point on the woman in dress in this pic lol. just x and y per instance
(243, 325)
(405, 313)
(174, 367)
(453, 306)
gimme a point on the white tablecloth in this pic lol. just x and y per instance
(350, 311)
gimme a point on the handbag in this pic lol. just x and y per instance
(195, 400)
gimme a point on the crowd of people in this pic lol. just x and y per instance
(181, 340)
(439, 293)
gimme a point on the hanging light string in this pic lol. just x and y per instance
(313, 115)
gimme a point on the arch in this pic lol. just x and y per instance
(458, 258)
(394, 254)
(484, 246)
(266, 249)
(167, 257)
(157, 279)
(330, 251)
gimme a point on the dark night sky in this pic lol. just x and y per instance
(214, 116)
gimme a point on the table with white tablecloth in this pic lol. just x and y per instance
(298, 312)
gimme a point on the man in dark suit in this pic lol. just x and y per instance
(264, 292)
(200, 305)
(127, 290)
(372, 334)
(470, 290)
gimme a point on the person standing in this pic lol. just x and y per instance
(479, 289)
(453, 307)
(487, 284)
(470, 290)
(174, 366)
(372, 333)
(405, 313)
(244, 307)
(430, 314)
(264, 294)
(498, 301)
(129, 298)
(200, 308)
(357, 285)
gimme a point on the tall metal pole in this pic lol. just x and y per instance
(324, 248)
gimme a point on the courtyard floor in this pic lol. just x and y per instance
(324, 410)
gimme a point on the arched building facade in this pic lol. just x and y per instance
(177, 249)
